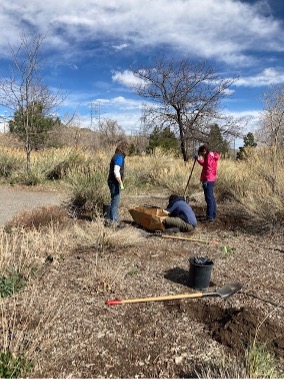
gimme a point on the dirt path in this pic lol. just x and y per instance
(15, 200)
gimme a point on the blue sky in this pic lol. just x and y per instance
(90, 46)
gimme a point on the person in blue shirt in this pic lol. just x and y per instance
(115, 179)
(180, 214)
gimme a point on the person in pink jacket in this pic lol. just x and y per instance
(209, 162)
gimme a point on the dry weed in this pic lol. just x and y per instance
(39, 217)
(27, 322)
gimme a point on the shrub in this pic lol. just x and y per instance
(39, 217)
(88, 192)
(8, 165)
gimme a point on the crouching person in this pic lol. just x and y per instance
(180, 214)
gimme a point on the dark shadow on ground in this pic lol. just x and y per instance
(180, 276)
(177, 275)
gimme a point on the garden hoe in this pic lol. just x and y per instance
(184, 194)
(224, 292)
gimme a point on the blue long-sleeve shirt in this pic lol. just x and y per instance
(179, 208)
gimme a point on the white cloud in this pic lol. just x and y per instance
(228, 91)
(92, 30)
(223, 30)
(265, 78)
(126, 78)
(120, 47)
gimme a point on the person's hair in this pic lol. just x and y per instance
(122, 148)
(202, 149)
(173, 197)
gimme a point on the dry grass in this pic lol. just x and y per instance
(33, 319)
(161, 170)
(26, 327)
(258, 184)
(25, 323)
(39, 243)
(39, 218)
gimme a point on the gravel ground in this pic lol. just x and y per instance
(15, 200)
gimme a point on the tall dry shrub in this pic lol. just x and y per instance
(87, 185)
(257, 183)
(11, 160)
(159, 170)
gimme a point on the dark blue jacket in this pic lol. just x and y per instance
(179, 208)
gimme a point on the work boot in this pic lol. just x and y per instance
(172, 230)
(209, 220)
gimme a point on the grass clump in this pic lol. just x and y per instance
(260, 363)
(11, 283)
(225, 367)
(257, 363)
(14, 366)
(8, 164)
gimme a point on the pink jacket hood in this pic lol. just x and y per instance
(209, 167)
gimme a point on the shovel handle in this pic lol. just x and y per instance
(157, 298)
(189, 239)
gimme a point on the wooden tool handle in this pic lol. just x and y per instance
(156, 298)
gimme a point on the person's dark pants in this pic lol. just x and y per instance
(208, 188)
(115, 200)
(175, 222)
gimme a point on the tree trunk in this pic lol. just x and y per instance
(28, 157)
(184, 144)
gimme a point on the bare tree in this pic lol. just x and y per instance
(24, 90)
(110, 132)
(186, 97)
(271, 131)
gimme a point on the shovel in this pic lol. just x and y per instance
(224, 292)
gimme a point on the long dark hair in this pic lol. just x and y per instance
(202, 149)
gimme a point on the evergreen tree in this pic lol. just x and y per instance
(38, 125)
(163, 138)
(248, 143)
(216, 141)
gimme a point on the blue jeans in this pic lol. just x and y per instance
(115, 200)
(208, 188)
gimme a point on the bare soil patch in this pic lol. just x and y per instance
(89, 339)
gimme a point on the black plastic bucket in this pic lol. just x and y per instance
(106, 211)
(200, 272)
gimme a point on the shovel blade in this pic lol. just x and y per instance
(228, 290)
